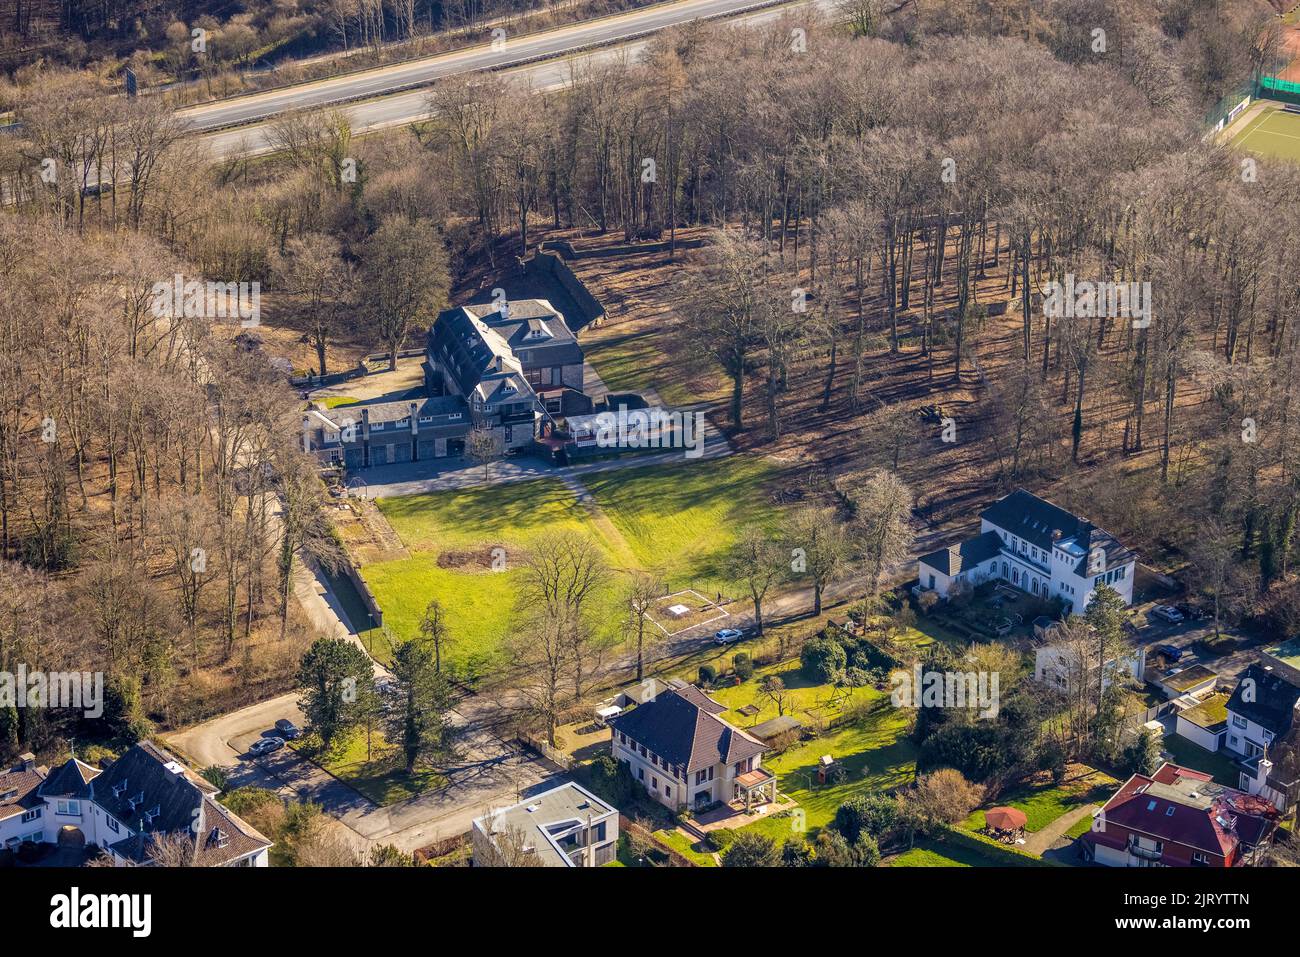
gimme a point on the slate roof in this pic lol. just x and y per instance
(683, 727)
(1188, 812)
(149, 791)
(71, 779)
(956, 558)
(1038, 521)
(1274, 699)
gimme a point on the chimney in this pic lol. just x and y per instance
(26, 761)
(414, 418)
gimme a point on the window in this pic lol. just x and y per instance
(640, 774)
(622, 738)
(112, 825)
(641, 748)
(68, 807)
(699, 777)
(403, 423)
(710, 774)
(1199, 858)
(376, 426)
(654, 783)
(453, 416)
(1169, 811)
(931, 581)
(668, 792)
(1239, 722)
(31, 815)
(425, 418)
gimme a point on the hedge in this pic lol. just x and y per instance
(1002, 855)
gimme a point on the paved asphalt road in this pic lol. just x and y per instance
(400, 76)
(398, 108)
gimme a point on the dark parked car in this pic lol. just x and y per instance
(287, 729)
(1170, 652)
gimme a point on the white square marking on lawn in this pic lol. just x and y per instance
(678, 610)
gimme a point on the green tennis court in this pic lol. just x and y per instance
(1275, 133)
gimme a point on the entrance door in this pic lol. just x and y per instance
(378, 455)
(403, 452)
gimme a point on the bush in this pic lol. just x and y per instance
(823, 660)
(722, 838)
(870, 814)
(743, 666)
(752, 850)
(708, 674)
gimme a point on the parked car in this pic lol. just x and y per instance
(1170, 652)
(287, 729)
(727, 636)
(265, 746)
(1168, 613)
(1189, 612)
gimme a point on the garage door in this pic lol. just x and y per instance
(378, 455)
(456, 447)
(403, 452)
(354, 459)
(427, 449)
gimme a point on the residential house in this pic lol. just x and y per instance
(22, 809)
(567, 826)
(685, 755)
(1204, 724)
(1061, 667)
(1178, 817)
(127, 809)
(1037, 547)
(1262, 709)
(506, 369)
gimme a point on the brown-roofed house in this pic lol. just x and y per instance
(684, 754)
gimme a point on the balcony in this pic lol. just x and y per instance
(1146, 853)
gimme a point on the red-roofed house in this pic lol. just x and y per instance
(1178, 817)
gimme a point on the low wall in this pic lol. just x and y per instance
(367, 597)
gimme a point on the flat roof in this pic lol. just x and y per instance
(1189, 678)
(1287, 652)
(567, 803)
(1210, 713)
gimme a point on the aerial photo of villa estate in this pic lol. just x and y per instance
(460, 439)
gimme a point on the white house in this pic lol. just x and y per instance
(124, 809)
(1205, 724)
(1059, 667)
(1037, 547)
(685, 755)
(1262, 708)
(567, 826)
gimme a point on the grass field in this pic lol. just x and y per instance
(874, 751)
(680, 519)
(929, 853)
(1274, 133)
(383, 778)
(1044, 802)
(805, 699)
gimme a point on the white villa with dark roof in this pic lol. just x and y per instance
(684, 755)
(1037, 547)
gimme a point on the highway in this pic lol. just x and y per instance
(237, 127)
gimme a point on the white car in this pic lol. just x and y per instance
(1167, 612)
(265, 746)
(728, 636)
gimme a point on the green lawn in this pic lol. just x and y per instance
(635, 362)
(679, 518)
(1044, 802)
(932, 853)
(805, 699)
(874, 751)
(383, 778)
(680, 843)
(479, 602)
(683, 519)
(1188, 754)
